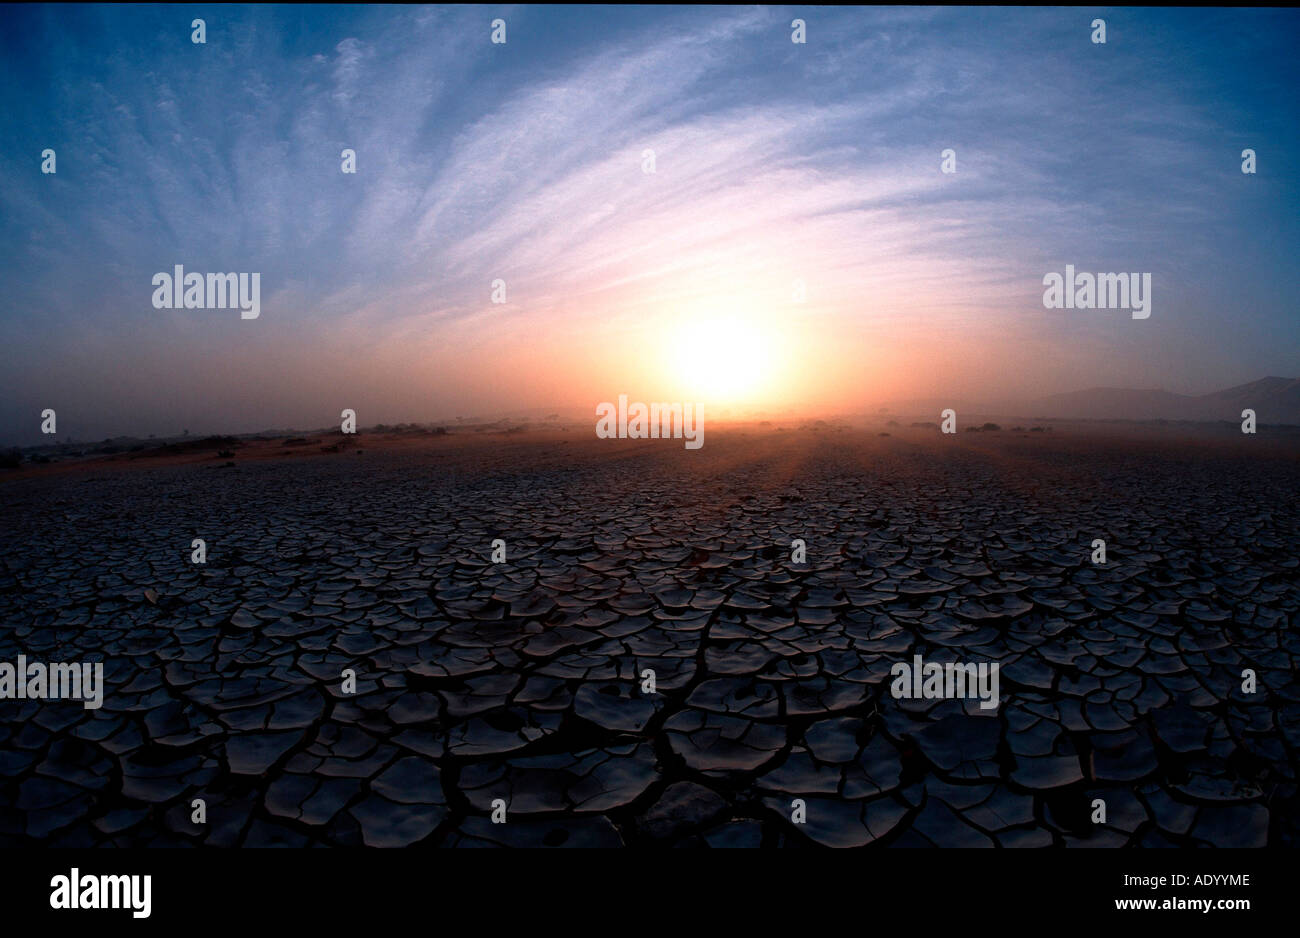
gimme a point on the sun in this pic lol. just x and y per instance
(725, 359)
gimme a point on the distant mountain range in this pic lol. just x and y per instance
(1274, 400)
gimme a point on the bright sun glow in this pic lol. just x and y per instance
(723, 360)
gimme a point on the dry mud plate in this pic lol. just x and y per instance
(522, 681)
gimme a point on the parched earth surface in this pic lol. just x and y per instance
(522, 681)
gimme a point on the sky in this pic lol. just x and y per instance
(797, 246)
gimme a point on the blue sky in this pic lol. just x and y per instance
(523, 161)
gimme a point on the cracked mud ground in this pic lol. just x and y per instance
(520, 681)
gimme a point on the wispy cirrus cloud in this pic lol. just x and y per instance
(774, 162)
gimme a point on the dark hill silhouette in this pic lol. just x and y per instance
(1274, 400)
